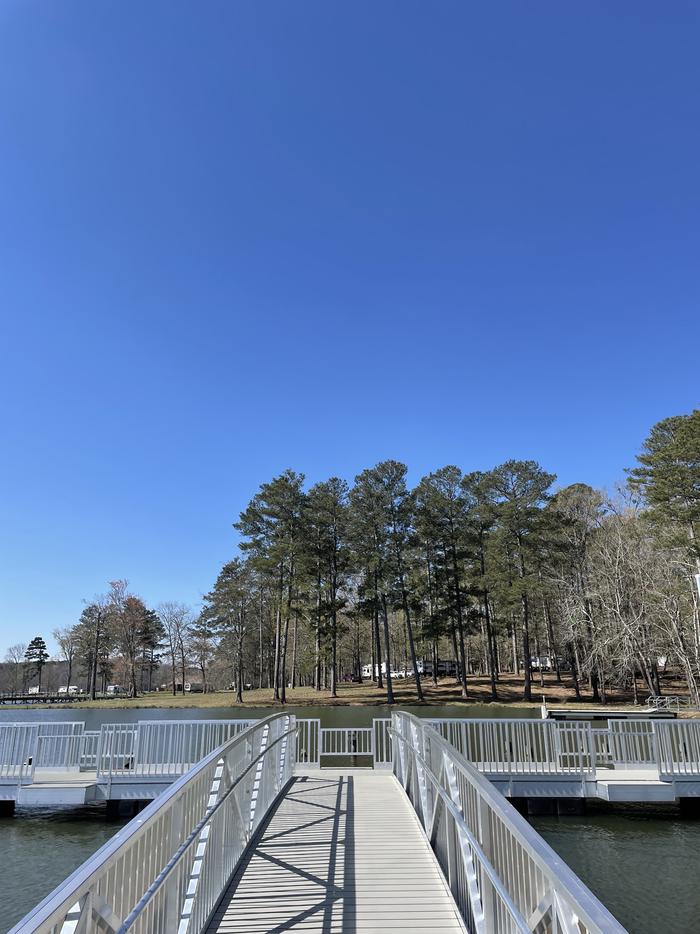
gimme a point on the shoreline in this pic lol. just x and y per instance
(445, 694)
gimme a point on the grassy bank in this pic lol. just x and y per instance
(447, 691)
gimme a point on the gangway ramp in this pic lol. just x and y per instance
(342, 852)
(254, 837)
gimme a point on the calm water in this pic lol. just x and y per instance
(642, 864)
(40, 848)
(329, 716)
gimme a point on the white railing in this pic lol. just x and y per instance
(60, 747)
(382, 743)
(314, 741)
(160, 749)
(309, 742)
(347, 741)
(165, 871)
(678, 744)
(522, 747)
(675, 702)
(87, 756)
(24, 747)
(503, 876)
(632, 743)
(17, 748)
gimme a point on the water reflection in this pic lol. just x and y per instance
(40, 847)
(640, 860)
(329, 716)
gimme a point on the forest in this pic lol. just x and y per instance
(465, 575)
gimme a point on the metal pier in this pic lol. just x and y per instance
(256, 838)
(343, 851)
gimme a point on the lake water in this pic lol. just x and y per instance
(642, 864)
(330, 716)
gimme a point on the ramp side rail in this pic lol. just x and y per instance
(166, 870)
(503, 876)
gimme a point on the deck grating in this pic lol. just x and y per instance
(343, 852)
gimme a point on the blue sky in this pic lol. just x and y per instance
(237, 237)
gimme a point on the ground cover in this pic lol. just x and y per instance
(447, 691)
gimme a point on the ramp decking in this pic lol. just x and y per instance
(342, 852)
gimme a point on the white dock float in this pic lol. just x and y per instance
(62, 764)
(344, 851)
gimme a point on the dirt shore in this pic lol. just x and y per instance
(447, 691)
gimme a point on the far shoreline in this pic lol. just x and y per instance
(446, 694)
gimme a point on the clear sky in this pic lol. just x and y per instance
(247, 235)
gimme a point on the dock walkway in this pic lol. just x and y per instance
(343, 851)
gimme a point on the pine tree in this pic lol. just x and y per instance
(326, 539)
(668, 476)
(442, 520)
(519, 490)
(36, 657)
(273, 534)
(229, 609)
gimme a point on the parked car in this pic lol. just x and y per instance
(69, 689)
(194, 687)
(115, 689)
(33, 690)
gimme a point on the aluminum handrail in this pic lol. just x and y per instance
(492, 821)
(193, 835)
(50, 914)
(457, 815)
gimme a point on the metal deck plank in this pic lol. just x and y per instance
(343, 851)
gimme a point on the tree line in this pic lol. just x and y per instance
(496, 571)
(119, 639)
(492, 568)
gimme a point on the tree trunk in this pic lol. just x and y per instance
(491, 655)
(387, 653)
(380, 684)
(550, 641)
(334, 653)
(317, 657)
(455, 651)
(260, 640)
(278, 640)
(173, 666)
(460, 625)
(239, 679)
(527, 686)
(409, 632)
(574, 662)
(96, 649)
(294, 650)
(283, 661)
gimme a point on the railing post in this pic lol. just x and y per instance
(172, 900)
(655, 747)
(486, 888)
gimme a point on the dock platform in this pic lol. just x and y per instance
(344, 851)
